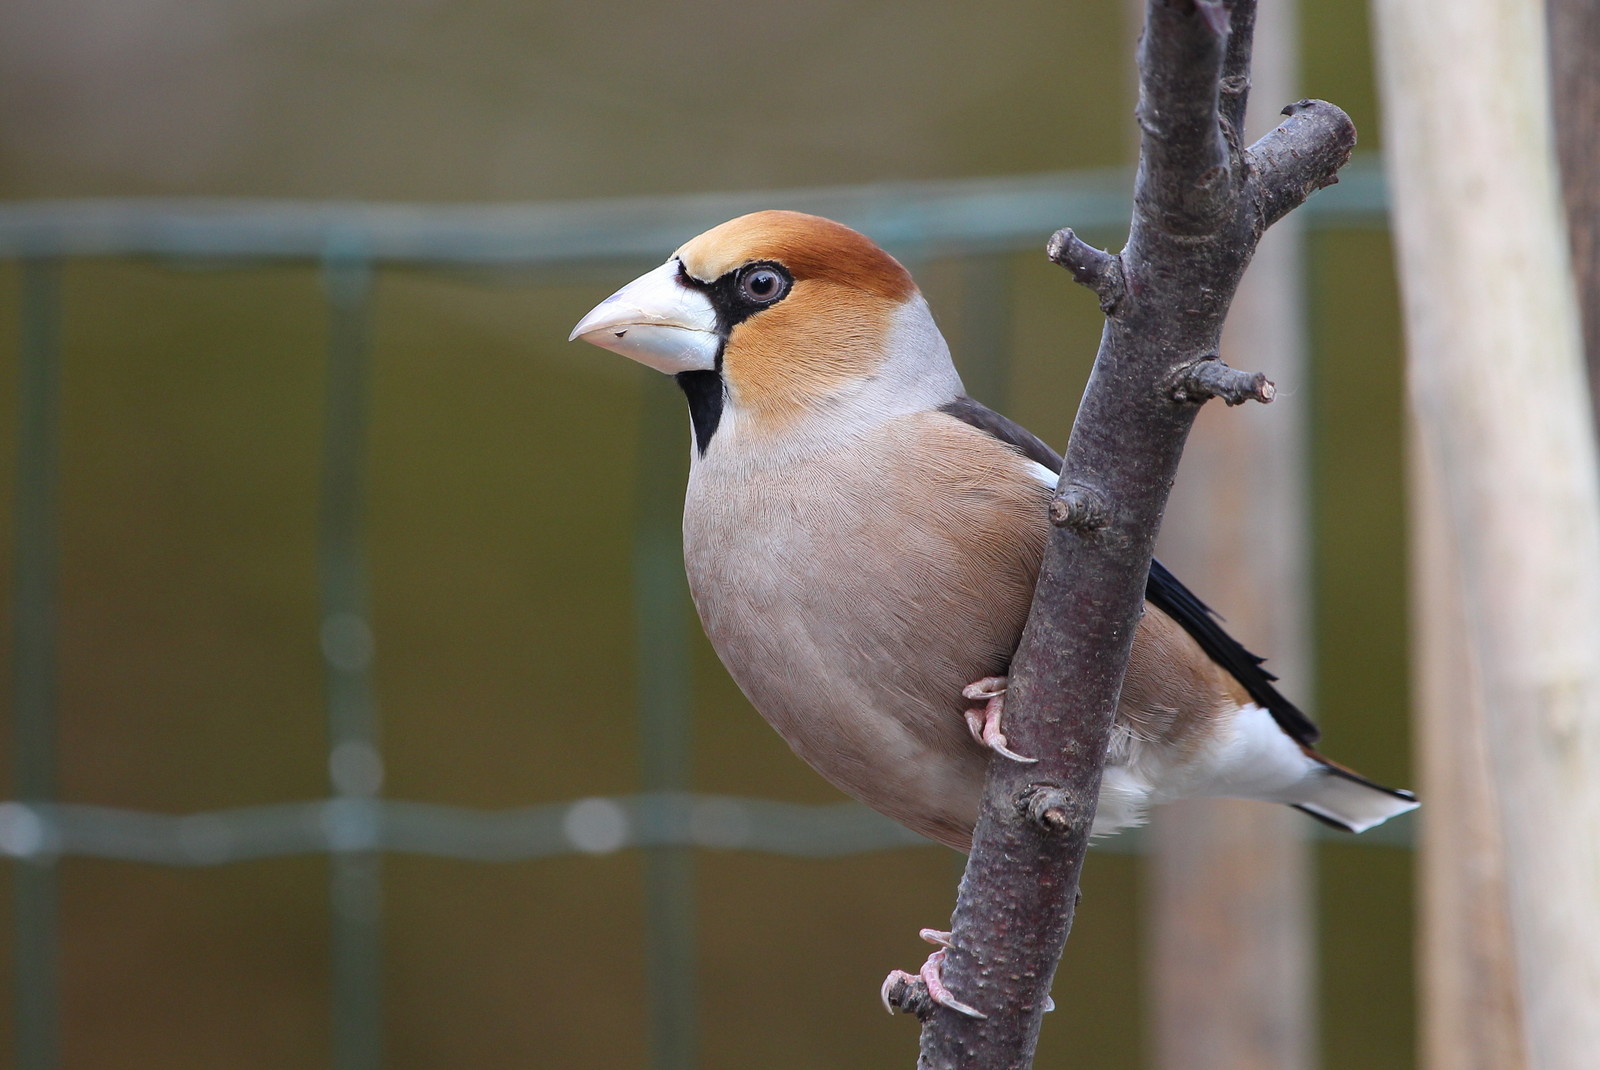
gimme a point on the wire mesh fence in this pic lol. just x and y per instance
(355, 826)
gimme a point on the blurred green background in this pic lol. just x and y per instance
(501, 490)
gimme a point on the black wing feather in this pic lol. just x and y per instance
(1164, 591)
(1162, 588)
(1003, 428)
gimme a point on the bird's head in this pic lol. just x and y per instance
(775, 316)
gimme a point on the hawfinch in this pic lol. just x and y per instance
(862, 541)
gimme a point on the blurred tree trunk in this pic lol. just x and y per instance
(1575, 96)
(1467, 969)
(1231, 961)
(1506, 434)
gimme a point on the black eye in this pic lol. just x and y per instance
(762, 285)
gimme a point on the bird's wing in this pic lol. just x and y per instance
(1005, 429)
(1162, 588)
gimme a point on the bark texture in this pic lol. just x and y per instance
(1201, 203)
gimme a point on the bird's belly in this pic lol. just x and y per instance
(844, 703)
(858, 666)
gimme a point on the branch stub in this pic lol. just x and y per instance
(1093, 268)
(1081, 509)
(1051, 809)
(1209, 377)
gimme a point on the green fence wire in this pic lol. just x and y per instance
(34, 623)
(973, 220)
(355, 765)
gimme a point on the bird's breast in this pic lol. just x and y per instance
(853, 594)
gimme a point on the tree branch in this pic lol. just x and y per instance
(1200, 205)
(1209, 378)
(1300, 155)
(1236, 80)
(1184, 179)
(1093, 268)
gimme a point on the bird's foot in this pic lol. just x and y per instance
(984, 721)
(899, 988)
(988, 687)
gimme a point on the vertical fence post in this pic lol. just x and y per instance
(355, 767)
(28, 830)
(661, 622)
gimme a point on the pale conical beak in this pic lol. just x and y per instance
(657, 320)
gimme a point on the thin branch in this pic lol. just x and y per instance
(1200, 205)
(1300, 155)
(1184, 180)
(1236, 70)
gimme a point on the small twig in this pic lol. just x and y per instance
(1209, 377)
(1096, 269)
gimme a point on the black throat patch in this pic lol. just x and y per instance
(705, 393)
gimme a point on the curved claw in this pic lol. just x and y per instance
(984, 725)
(1000, 748)
(984, 722)
(896, 977)
(932, 976)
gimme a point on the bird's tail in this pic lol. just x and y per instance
(1347, 800)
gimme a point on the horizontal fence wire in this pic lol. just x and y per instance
(591, 826)
(939, 218)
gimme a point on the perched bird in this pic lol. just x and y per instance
(862, 540)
